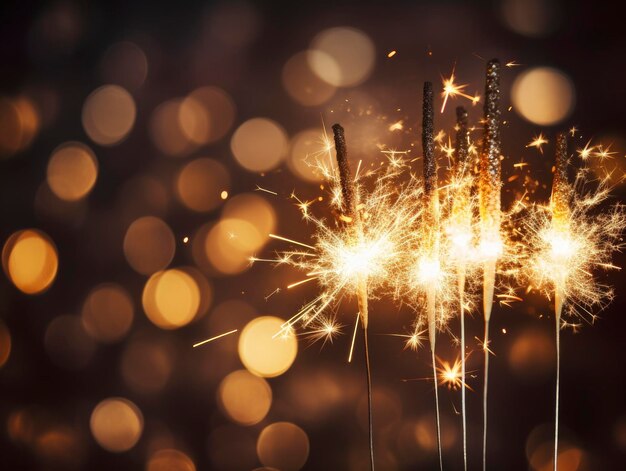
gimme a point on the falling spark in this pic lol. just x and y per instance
(391, 53)
(538, 142)
(260, 188)
(214, 338)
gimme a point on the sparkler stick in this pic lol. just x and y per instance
(350, 201)
(559, 202)
(489, 194)
(431, 234)
(462, 226)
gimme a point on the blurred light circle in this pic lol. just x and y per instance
(244, 397)
(170, 460)
(5, 344)
(253, 209)
(307, 149)
(534, 18)
(109, 115)
(262, 351)
(125, 64)
(230, 243)
(72, 171)
(302, 84)
(220, 109)
(171, 299)
(166, 130)
(532, 354)
(107, 312)
(259, 144)
(284, 446)
(30, 260)
(194, 120)
(149, 245)
(205, 289)
(200, 184)
(10, 127)
(116, 424)
(146, 365)
(543, 95)
(68, 343)
(347, 56)
(61, 447)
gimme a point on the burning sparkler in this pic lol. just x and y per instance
(568, 243)
(490, 182)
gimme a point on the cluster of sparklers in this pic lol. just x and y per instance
(433, 245)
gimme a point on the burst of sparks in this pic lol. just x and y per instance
(538, 142)
(450, 374)
(452, 89)
(565, 254)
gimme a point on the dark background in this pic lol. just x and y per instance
(587, 42)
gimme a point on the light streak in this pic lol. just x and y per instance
(214, 338)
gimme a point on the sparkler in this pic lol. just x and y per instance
(489, 195)
(568, 242)
(429, 264)
(352, 214)
(460, 233)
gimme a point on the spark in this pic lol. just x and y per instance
(586, 151)
(512, 64)
(451, 89)
(450, 374)
(397, 126)
(538, 142)
(573, 130)
(276, 291)
(214, 338)
(604, 153)
(260, 188)
(391, 53)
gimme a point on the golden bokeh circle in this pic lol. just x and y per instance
(109, 114)
(108, 312)
(230, 243)
(116, 424)
(149, 245)
(72, 171)
(30, 260)
(303, 84)
(244, 397)
(284, 446)
(259, 144)
(171, 299)
(200, 184)
(264, 349)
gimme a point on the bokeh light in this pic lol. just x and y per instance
(230, 243)
(253, 209)
(259, 144)
(109, 115)
(72, 171)
(30, 260)
(244, 397)
(68, 344)
(303, 84)
(149, 245)
(262, 351)
(147, 364)
(171, 299)
(284, 446)
(125, 64)
(307, 148)
(108, 312)
(220, 112)
(343, 57)
(5, 344)
(170, 460)
(532, 354)
(116, 424)
(543, 95)
(533, 18)
(200, 184)
(166, 127)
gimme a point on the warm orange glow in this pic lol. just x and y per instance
(259, 144)
(116, 424)
(72, 171)
(244, 397)
(284, 446)
(5, 344)
(200, 184)
(30, 260)
(170, 460)
(263, 352)
(109, 115)
(171, 299)
(108, 312)
(149, 245)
